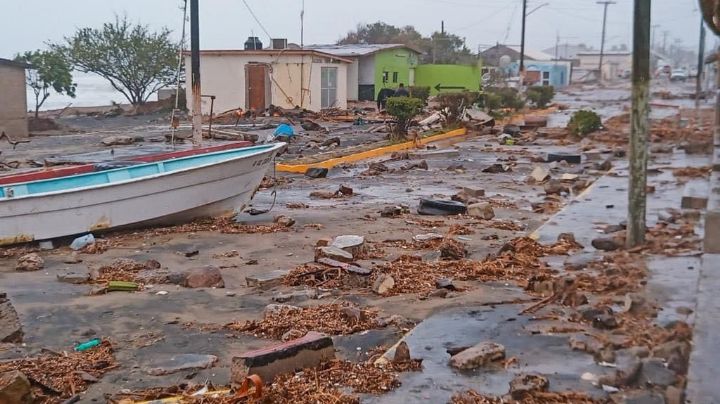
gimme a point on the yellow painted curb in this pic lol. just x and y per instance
(301, 168)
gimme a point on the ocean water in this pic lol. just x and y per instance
(92, 90)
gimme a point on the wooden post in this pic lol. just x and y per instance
(195, 67)
(638, 155)
(522, 45)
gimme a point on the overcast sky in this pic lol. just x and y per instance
(28, 24)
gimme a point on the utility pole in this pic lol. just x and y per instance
(557, 43)
(665, 35)
(302, 25)
(605, 3)
(522, 44)
(653, 37)
(639, 125)
(701, 63)
(195, 67)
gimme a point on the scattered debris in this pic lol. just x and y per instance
(30, 262)
(477, 356)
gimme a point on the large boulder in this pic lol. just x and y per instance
(15, 388)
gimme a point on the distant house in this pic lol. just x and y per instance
(566, 51)
(615, 64)
(540, 67)
(374, 67)
(254, 79)
(13, 99)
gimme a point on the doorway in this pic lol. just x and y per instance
(328, 87)
(256, 87)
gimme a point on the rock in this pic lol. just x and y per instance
(639, 397)
(10, 326)
(585, 343)
(352, 314)
(606, 244)
(674, 395)
(274, 309)
(676, 353)
(423, 165)
(539, 175)
(512, 130)
(653, 372)
(497, 168)
(190, 252)
(15, 388)
(292, 334)
(606, 165)
(436, 207)
(86, 377)
(323, 195)
(589, 313)
(452, 351)
(352, 268)
(30, 262)
(205, 277)
(567, 177)
(391, 211)
(310, 125)
(345, 190)
(481, 210)
(118, 140)
(478, 355)
(152, 264)
(556, 187)
(578, 262)
(474, 193)
(316, 172)
(421, 238)
(452, 250)
(402, 353)
(323, 242)
(177, 278)
(634, 303)
(445, 283)
(605, 322)
(73, 258)
(284, 221)
(627, 368)
(333, 253)
(462, 197)
(527, 383)
(574, 299)
(73, 277)
(355, 245)
(383, 284)
(181, 362)
(331, 141)
(295, 296)
(432, 256)
(441, 293)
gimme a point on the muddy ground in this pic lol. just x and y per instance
(148, 327)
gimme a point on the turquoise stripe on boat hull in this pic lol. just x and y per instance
(139, 171)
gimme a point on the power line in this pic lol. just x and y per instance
(257, 20)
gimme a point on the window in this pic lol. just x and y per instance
(546, 78)
(385, 77)
(395, 77)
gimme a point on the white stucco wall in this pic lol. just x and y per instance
(366, 70)
(223, 75)
(613, 65)
(352, 80)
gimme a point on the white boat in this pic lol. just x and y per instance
(167, 191)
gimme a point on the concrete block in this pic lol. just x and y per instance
(445, 153)
(266, 280)
(308, 351)
(711, 244)
(695, 196)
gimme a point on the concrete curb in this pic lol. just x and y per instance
(301, 168)
(711, 243)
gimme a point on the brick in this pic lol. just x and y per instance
(311, 350)
(266, 280)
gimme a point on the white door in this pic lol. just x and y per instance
(328, 87)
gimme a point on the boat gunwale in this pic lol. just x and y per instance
(261, 149)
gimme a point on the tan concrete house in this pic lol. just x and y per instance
(255, 79)
(13, 99)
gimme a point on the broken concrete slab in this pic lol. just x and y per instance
(539, 174)
(308, 351)
(477, 356)
(75, 278)
(419, 238)
(266, 280)
(654, 372)
(10, 326)
(333, 253)
(383, 284)
(350, 243)
(426, 154)
(355, 269)
(524, 384)
(694, 197)
(639, 397)
(578, 262)
(180, 362)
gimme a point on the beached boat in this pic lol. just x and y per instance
(167, 191)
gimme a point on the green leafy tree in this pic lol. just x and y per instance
(136, 61)
(437, 48)
(403, 109)
(49, 71)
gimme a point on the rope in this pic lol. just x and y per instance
(177, 75)
(255, 212)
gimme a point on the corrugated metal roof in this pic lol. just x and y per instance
(532, 54)
(224, 52)
(358, 49)
(12, 63)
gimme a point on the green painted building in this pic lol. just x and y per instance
(378, 66)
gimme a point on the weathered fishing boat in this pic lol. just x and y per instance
(166, 191)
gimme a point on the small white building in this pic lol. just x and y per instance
(614, 63)
(13, 99)
(256, 79)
